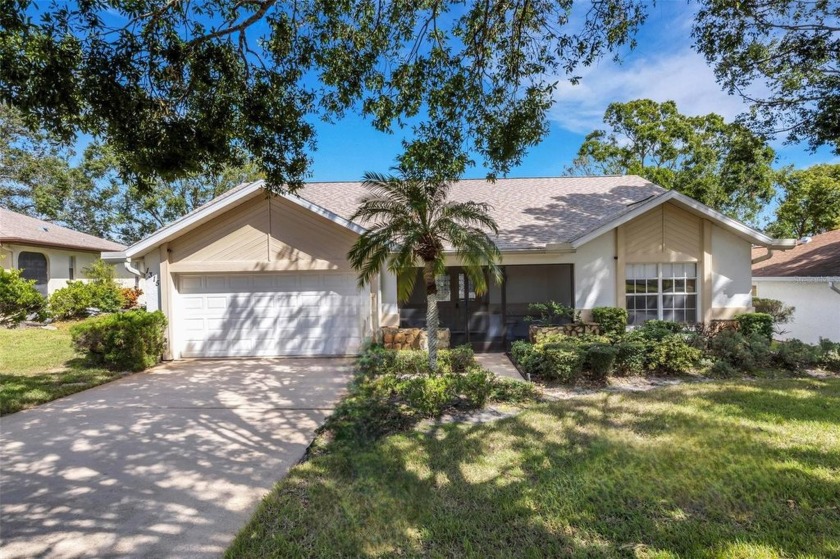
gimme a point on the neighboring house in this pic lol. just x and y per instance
(808, 278)
(49, 254)
(255, 275)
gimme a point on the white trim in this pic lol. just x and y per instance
(113, 257)
(796, 279)
(174, 229)
(734, 226)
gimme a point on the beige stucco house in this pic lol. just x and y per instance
(51, 255)
(250, 274)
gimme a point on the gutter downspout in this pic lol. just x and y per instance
(763, 257)
(137, 273)
(832, 286)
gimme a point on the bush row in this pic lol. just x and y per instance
(392, 390)
(128, 341)
(661, 347)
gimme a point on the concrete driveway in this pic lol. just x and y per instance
(167, 463)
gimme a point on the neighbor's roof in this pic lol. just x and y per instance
(819, 257)
(19, 228)
(531, 213)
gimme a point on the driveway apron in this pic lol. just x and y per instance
(166, 463)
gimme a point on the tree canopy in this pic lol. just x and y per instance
(781, 56)
(178, 86)
(720, 164)
(811, 203)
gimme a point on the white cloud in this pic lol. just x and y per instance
(682, 76)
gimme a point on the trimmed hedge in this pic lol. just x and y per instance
(756, 323)
(128, 341)
(74, 300)
(611, 320)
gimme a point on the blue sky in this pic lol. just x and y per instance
(663, 67)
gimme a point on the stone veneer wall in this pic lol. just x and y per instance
(411, 338)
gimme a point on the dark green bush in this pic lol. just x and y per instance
(796, 355)
(429, 396)
(129, 341)
(376, 360)
(659, 329)
(74, 300)
(525, 355)
(512, 391)
(412, 362)
(458, 359)
(551, 313)
(18, 299)
(740, 351)
(612, 321)
(781, 313)
(672, 355)
(601, 361)
(829, 355)
(755, 323)
(564, 365)
(476, 386)
(631, 355)
(722, 369)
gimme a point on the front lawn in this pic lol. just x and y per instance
(37, 366)
(724, 469)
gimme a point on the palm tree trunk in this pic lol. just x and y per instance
(431, 313)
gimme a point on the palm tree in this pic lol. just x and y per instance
(409, 220)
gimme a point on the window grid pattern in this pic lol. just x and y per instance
(661, 291)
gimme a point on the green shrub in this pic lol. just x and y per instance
(512, 391)
(829, 355)
(476, 386)
(458, 359)
(781, 313)
(18, 299)
(376, 360)
(412, 362)
(129, 341)
(740, 351)
(526, 355)
(612, 321)
(74, 300)
(601, 361)
(551, 313)
(659, 329)
(755, 323)
(722, 369)
(429, 396)
(795, 355)
(631, 355)
(672, 355)
(564, 365)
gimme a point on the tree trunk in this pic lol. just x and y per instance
(431, 313)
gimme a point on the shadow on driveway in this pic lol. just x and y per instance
(167, 463)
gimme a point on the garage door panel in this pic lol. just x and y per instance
(269, 315)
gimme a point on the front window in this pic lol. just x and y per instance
(661, 291)
(33, 266)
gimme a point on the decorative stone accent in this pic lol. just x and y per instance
(573, 329)
(411, 338)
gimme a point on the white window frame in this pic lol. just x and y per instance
(660, 294)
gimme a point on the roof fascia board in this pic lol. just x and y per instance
(797, 279)
(736, 227)
(323, 212)
(44, 244)
(174, 229)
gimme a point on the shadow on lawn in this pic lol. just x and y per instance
(603, 476)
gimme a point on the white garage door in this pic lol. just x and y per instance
(266, 315)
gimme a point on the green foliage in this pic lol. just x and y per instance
(18, 298)
(795, 355)
(428, 395)
(458, 359)
(720, 164)
(601, 360)
(829, 355)
(563, 365)
(811, 203)
(756, 323)
(672, 355)
(631, 356)
(611, 320)
(74, 300)
(100, 272)
(477, 386)
(659, 329)
(740, 350)
(781, 313)
(781, 56)
(376, 360)
(551, 313)
(178, 86)
(128, 341)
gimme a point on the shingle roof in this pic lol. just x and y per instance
(19, 228)
(820, 257)
(530, 212)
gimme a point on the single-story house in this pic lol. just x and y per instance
(49, 254)
(251, 274)
(806, 277)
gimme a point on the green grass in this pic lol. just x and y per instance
(727, 469)
(37, 366)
